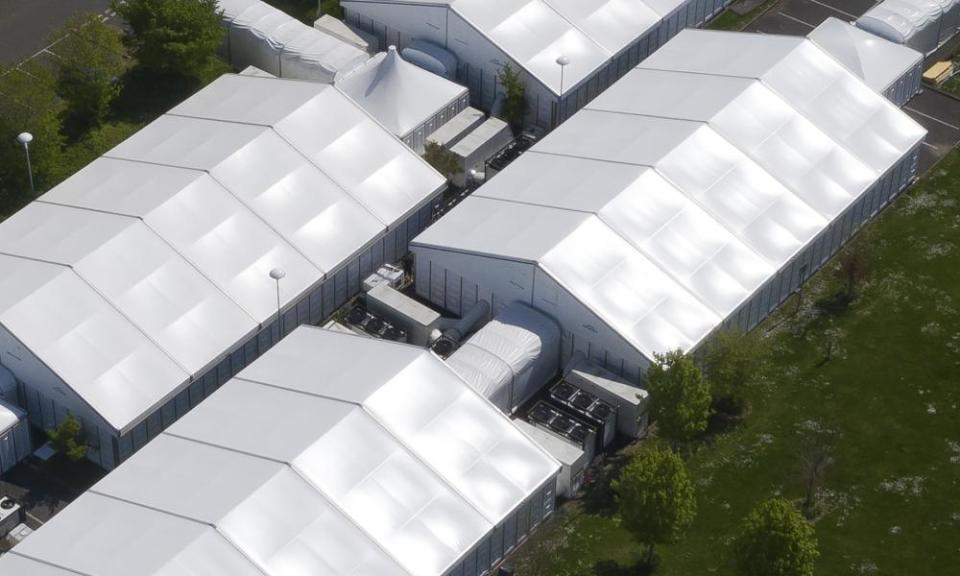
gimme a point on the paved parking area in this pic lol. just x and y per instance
(26, 24)
(940, 115)
(799, 17)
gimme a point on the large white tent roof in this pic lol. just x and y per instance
(332, 454)
(400, 95)
(674, 195)
(151, 263)
(535, 33)
(876, 60)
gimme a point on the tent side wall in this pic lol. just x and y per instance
(586, 333)
(907, 85)
(14, 445)
(48, 400)
(825, 245)
(417, 138)
(507, 535)
(455, 281)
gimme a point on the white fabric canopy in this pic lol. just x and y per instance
(151, 263)
(263, 36)
(682, 189)
(314, 460)
(920, 24)
(511, 358)
(876, 61)
(534, 33)
(400, 95)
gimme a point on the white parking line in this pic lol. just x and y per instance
(835, 9)
(797, 20)
(937, 120)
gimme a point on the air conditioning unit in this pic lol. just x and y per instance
(417, 320)
(10, 515)
(582, 434)
(362, 320)
(387, 274)
(589, 407)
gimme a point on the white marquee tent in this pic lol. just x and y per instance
(14, 436)
(602, 39)
(408, 100)
(893, 70)
(920, 24)
(263, 36)
(332, 455)
(135, 288)
(511, 358)
(699, 191)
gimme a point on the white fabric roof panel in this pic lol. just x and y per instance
(332, 131)
(707, 168)
(877, 61)
(98, 537)
(400, 95)
(273, 480)
(145, 279)
(614, 24)
(534, 33)
(174, 230)
(107, 361)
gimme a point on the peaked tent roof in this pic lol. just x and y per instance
(400, 95)
(148, 265)
(675, 194)
(875, 60)
(314, 459)
(534, 33)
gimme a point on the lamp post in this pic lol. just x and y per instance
(562, 61)
(277, 274)
(26, 138)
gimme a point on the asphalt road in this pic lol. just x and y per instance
(25, 25)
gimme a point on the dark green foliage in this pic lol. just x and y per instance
(775, 540)
(443, 160)
(28, 102)
(67, 438)
(732, 359)
(679, 397)
(91, 61)
(656, 499)
(515, 106)
(177, 37)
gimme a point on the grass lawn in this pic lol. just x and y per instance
(730, 20)
(888, 405)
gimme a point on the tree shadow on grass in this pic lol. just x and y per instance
(611, 568)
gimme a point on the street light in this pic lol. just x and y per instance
(278, 274)
(26, 138)
(562, 61)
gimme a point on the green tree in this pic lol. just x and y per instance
(331, 7)
(515, 104)
(443, 160)
(28, 103)
(91, 61)
(67, 438)
(775, 540)
(733, 358)
(178, 37)
(655, 497)
(679, 397)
